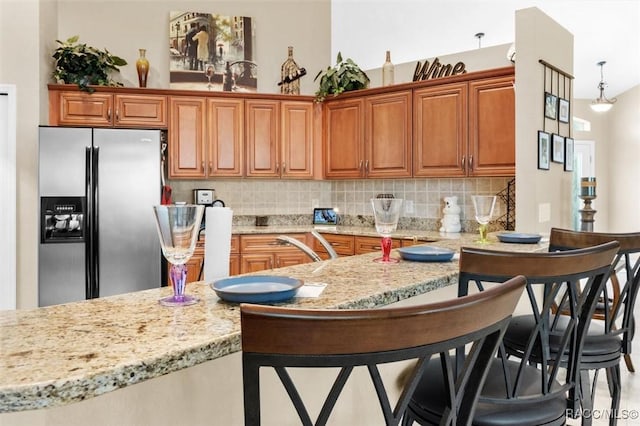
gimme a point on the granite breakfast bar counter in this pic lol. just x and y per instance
(69, 358)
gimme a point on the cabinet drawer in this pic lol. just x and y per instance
(267, 243)
(342, 244)
(371, 244)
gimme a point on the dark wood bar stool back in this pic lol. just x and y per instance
(517, 391)
(282, 337)
(611, 335)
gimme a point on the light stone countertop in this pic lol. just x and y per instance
(67, 353)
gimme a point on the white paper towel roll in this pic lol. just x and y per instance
(217, 242)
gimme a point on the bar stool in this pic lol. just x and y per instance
(530, 389)
(280, 338)
(611, 334)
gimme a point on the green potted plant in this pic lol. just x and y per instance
(85, 65)
(342, 77)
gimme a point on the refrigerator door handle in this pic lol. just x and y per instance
(95, 237)
(88, 246)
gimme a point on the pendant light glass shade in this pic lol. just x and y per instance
(602, 103)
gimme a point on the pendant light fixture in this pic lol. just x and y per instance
(602, 104)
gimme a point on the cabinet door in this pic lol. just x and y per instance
(186, 137)
(255, 262)
(83, 109)
(291, 258)
(234, 264)
(296, 139)
(344, 138)
(263, 134)
(145, 111)
(440, 130)
(492, 147)
(225, 137)
(388, 135)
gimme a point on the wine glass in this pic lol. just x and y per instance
(209, 71)
(178, 228)
(483, 205)
(386, 212)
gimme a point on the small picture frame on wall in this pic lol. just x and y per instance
(550, 106)
(563, 110)
(544, 150)
(568, 155)
(557, 148)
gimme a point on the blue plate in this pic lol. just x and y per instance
(520, 238)
(426, 253)
(256, 288)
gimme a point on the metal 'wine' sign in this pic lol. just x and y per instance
(436, 70)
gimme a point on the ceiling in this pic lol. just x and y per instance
(603, 30)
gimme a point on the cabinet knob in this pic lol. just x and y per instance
(366, 167)
(117, 115)
(109, 114)
(277, 167)
(202, 165)
(360, 166)
(471, 162)
(210, 167)
(284, 167)
(463, 162)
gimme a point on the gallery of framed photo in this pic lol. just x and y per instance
(208, 51)
(563, 110)
(550, 106)
(557, 148)
(568, 155)
(544, 143)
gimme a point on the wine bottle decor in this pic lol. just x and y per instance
(290, 74)
(387, 71)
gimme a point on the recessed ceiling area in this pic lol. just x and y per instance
(603, 30)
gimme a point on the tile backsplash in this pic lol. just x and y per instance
(249, 197)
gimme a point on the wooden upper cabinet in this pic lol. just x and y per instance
(280, 137)
(388, 135)
(224, 141)
(262, 136)
(100, 109)
(492, 119)
(186, 137)
(206, 137)
(297, 139)
(343, 138)
(141, 111)
(368, 137)
(440, 130)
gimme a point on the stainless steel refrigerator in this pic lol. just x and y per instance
(97, 230)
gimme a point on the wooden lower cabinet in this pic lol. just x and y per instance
(371, 244)
(349, 245)
(261, 252)
(234, 257)
(342, 244)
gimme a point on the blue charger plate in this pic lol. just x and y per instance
(426, 253)
(256, 288)
(520, 238)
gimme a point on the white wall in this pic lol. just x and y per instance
(538, 37)
(623, 146)
(305, 25)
